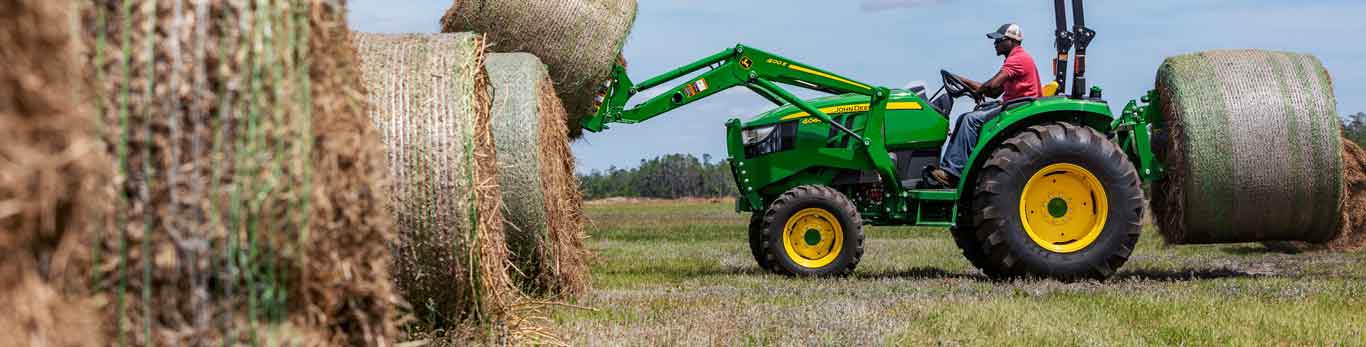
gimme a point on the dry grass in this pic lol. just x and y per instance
(52, 180)
(681, 274)
(345, 289)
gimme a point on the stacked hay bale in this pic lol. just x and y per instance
(432, 108)
(542, 202)
(232, 224)
(579, 40)
(206, 111)
(345, 282)
(52, 180)
(1254, 152)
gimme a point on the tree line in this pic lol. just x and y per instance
(666, 177)
(684, 175)
(1354, 128)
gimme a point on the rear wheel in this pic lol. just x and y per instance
(811, 231)
(965, 236)
(1057, 200)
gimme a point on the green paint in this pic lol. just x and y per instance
(1057, 207)
(812, 237)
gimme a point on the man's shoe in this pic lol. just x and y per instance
(944, 178)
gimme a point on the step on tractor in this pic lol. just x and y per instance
(1051, 189)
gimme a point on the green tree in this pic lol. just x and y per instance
(1354, 127)
(666, 177)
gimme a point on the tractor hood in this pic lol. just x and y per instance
(834, 105)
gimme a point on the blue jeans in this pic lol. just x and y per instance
(964, 138)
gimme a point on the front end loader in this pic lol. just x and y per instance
(1052, 187)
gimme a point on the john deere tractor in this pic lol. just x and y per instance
(1051, 189)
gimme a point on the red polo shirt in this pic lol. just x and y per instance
(1021, 76)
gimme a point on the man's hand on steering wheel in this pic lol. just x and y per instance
(956, 87)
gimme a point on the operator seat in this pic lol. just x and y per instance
(1050, 89)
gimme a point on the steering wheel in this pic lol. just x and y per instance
(957, 88)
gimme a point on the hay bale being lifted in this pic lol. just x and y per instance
(1352, 236)
(579, 40)
(1254, 152)
(53, 179)
(542, 203)
(431, 102)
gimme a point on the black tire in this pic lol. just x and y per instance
(800, 199)
(756, 240)
(1009, 251)
(965, 236)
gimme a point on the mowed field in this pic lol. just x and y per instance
(680, 273)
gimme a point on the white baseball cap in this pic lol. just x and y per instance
(1010, 30)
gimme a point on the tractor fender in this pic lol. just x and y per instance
(1094, 114)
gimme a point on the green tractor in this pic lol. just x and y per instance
(1052, 188)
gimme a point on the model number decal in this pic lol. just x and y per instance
(777, 62)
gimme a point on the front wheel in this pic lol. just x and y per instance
(1057, 200)
(811, 231)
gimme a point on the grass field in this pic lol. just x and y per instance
(680, 273)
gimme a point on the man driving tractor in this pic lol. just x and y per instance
(1018, 78)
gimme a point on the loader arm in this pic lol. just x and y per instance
(760, 72)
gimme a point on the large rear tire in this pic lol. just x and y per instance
(965, 236)
(1057, 200)
(812, 231)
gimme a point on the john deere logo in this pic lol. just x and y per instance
(746, 63)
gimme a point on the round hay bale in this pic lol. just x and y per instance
(53, 179)
(541, 199)
(205, 107)
(345, 290)
(579, 40)
(1254, 152)
(1352, 224)
(431, 102)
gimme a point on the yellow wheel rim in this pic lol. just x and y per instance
(1063, 208)
(813, 238)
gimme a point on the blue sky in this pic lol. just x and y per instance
(892, 42)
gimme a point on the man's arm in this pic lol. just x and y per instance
(995, 86)
(992, 89)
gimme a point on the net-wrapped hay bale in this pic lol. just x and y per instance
(1352, 225)
(53, 175)
(431, 102)
(346, 291)
(205, 108)
(579, 40)
(541, 199)
(1254, 152)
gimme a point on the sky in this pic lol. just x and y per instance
(893, 42)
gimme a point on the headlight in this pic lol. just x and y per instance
(755, 135)
(769, 139)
